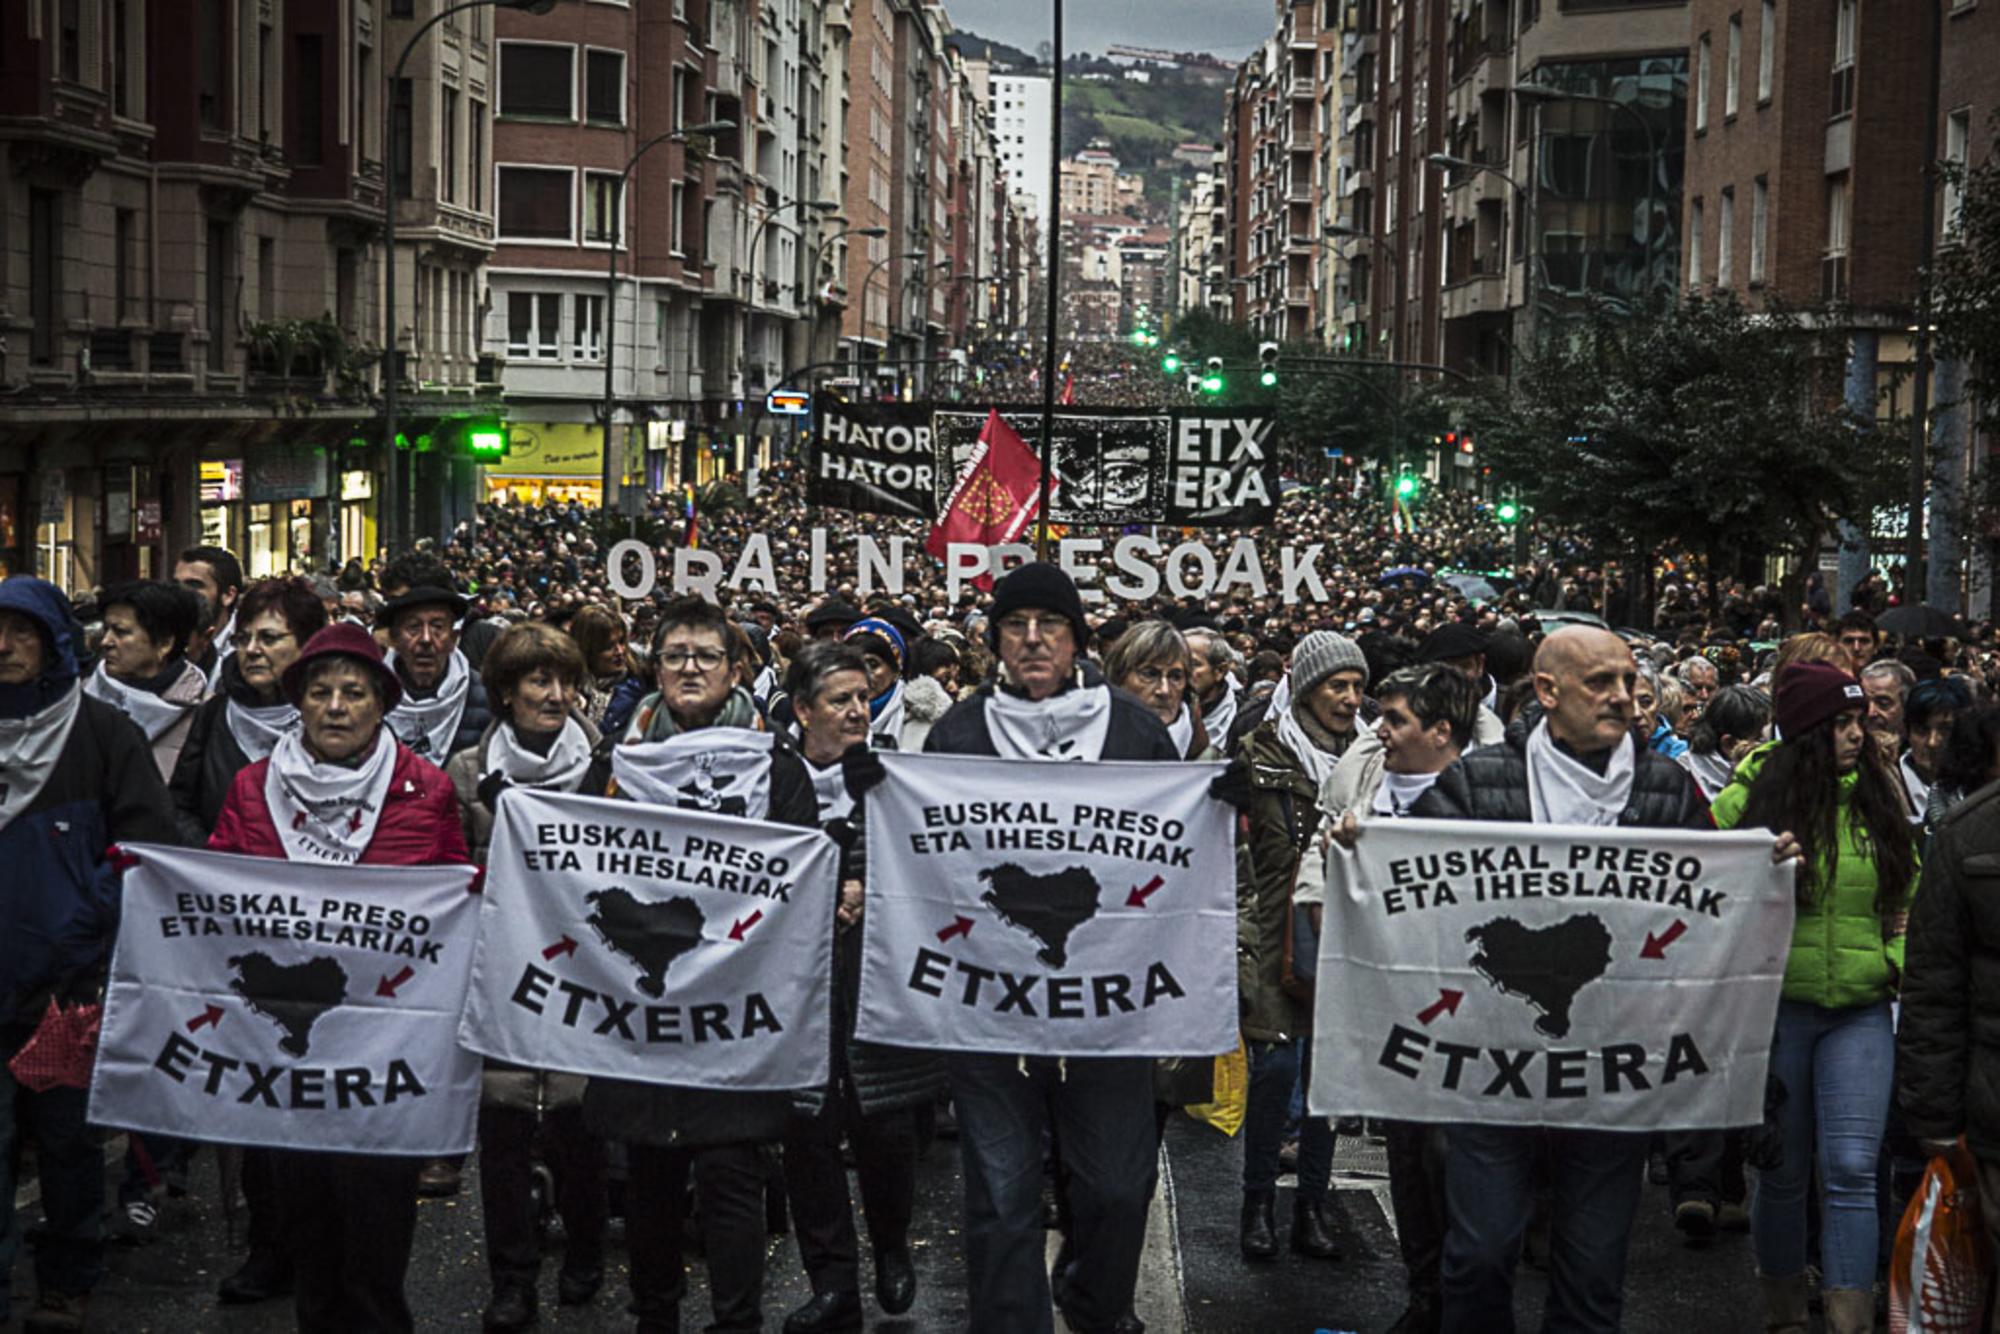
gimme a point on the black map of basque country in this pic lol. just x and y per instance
(1047, 907)
(651, 935)
(1545, 966)
(291, 995)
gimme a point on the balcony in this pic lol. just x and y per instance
(1299, 296)
(1481, 294)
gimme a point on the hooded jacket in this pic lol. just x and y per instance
(1843, 952)
(60, 911)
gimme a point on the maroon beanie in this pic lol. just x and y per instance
(1809, 693)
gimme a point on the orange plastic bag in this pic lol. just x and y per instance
(1941, 1267)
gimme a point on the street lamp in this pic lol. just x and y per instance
(823, 207)
(862, 295)
(394, 493)
(1541, 92)
(617, 234)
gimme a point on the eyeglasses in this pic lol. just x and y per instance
(1152, 676)
(267, 640)
(707, 659)
(1018, 626)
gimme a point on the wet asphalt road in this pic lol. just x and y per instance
(1192, 1279)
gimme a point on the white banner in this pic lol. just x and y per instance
(250, 1004)
(1512, 974)
(1073, 910)
(649, 943)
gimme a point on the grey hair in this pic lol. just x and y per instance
(1687, 665)
(1906, 679)
(817, 663)
(1146, 642)
(1221, 654)
(1648, 673)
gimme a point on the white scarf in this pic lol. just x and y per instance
(1217, 719)
(327, 812)
(224, 646)
(1712, 773)
(1562, 790)
(1918, 791)
(561, 770)
(766, 682)
(1181, 729)
(1069, 726)
(155, 714)
(888, 720)
(1317, 763)
(830, 786)
(724, 770)
(427, 726)
(29, 749)
(1399, 792)
(258, 727)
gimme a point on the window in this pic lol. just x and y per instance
(1957, 144)
(1694, 247)
(677, 217)
(346, 272)
(604, 87)
(1843, 33)
(267, 279)
(1760, 221)
(364, 76)
(535, 203)
(44, 274)
(448, 146)
(589, 329)
(537, 81)
(679, 109)
(1767, 48)
(1837, 203)
(267, 83)
(402, 128)
(69, 40)
(208, 34)
(602, 223)
(1725, 240)
(534, 325)
(1733, 74)
(124, 229)
(128, 59)
(1702, 71)
(475, 155)
(220, 262)
(308, 131)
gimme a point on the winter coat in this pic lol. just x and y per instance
(467, 767)
(1491, 783)
(625, 697)
(1843, 953)
(673, 1116)
(418, 826)
(1665, 742)
(1276, 829)
(924, 702)
(1948, 1044)
(1135, 732)
(472, 722)
(191, 688)
(209, 761)
(59, 911)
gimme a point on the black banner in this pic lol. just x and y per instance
(1222, 471)
(1112, 465)
(873, 458)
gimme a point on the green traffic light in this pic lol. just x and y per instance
(1170, 363)
(1211, 384)
(1507, 511)
(486, 441)
(1406, 486)
(1269, 379)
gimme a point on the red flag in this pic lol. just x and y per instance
(1069, 390)
(997, 496)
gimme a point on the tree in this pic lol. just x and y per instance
(1700, 425)
(1965, 277)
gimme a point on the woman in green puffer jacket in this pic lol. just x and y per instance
(1834, 1050)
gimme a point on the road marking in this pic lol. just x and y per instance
(1372, 1185)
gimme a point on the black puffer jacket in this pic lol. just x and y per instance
(1491, 783)
(1948, 1045)
(1136, 733)
(677, 1117)
(210, 759)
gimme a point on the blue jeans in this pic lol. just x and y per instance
(1275, 1069)
(1489, 1183)
(1838, 1069)
(1100, 1108)
(70, 1165)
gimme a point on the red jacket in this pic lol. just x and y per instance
(419, 825)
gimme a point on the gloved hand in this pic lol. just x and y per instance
(1232, 785)
(861, 768)
(490, 788)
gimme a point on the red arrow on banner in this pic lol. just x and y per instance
(1140, 893)
(1447, 1001)
(563, 946)
(960, 926)
(737, 932)
(1656, 946)
(387, 986)
(208, 1018)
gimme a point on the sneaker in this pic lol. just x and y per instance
(56, 1310)
(1695, 1219)
(438, 1179)
(137, 1224)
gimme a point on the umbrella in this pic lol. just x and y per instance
(1917, 622)
(1561, 618)
(1416, 572)
(1470, 586)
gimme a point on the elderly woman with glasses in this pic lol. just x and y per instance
(1152, 661)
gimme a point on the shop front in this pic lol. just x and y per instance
(547, 463)
(269, 505)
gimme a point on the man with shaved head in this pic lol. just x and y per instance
(1570, 759)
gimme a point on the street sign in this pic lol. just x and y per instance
(788, 403)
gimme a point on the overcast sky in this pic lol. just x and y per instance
(1223, 27)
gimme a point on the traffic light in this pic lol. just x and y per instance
(1407, 486)
(486, 440)
(1211, 383)
(1267, 365)
(1507, 511)
(1171, 363)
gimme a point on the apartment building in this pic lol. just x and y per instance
(1022, 107)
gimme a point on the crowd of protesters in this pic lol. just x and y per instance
(379, 715)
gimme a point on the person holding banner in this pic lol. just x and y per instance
(1291, 755)
(342, 790)
(78, 778)
(535, 674)
(1048, 704)
(1572, 759)
(1836, 1039)
(143, 670)
(697, 743)
(872, 1098)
